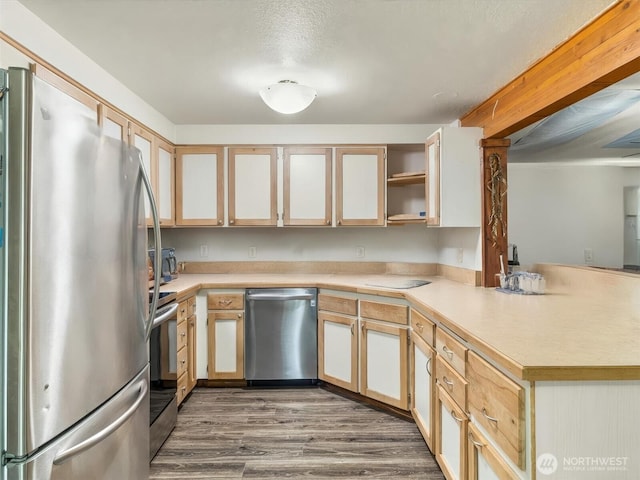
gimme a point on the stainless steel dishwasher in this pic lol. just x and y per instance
(281, 340)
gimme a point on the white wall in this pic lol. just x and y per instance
(292, 134)
(557, 211)
(410, 243)
(400, 244)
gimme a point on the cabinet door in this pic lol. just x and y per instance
(226, 345)
(113, 124)
(484, 462)
(432, 184)
(143, 140)
(422, 386)
(191, 353)
(64, 84)
(360, 185)
(383, 363)
(451, 437)
(307, 186)
(199, 186)
(165, 193)
(338, 350)
(252, 186)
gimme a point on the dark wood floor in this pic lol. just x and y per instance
(289, 433)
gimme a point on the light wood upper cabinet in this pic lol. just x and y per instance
(113, 123)
(143, 140)
(360, 185)
(67, 87)
(252, 195)
(453, 177)
(307, 186)
(164, 160)
(199, 186)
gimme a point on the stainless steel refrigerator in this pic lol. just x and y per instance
(74, 292)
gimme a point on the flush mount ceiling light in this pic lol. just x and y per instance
(288, 96)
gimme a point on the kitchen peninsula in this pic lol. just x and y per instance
(575, 349)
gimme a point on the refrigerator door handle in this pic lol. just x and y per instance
(105, 432)
(157, 258)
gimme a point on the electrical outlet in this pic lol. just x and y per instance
(588, 256)
(204, 251)
(253, 251)
(460, 255)
(360, 251)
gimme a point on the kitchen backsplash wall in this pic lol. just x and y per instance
(411, 243)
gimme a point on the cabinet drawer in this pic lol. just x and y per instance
(181, 390)
(181, 335)
(191, 306)
(387, 312)
(332, 303)
(181, 366)
(422, 326)
(451, 382)
(225, 301)
(454, 352)
(497, 404)
(183, 310)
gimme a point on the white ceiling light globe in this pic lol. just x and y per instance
(288, 96)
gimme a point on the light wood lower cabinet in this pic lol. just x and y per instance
(484, 461)
(225, 328)
(497, 404)
(451, 437)
(422, 386)
(338, 350)
(383, 363)
(192, 342)
(186, 348)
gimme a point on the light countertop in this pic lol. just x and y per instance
(562, 335)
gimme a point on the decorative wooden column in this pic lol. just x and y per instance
(494, 207)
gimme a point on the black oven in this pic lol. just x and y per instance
(163, 405)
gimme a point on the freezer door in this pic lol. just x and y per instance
(78, 291)
(111, 444)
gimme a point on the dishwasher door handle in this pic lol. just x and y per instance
(280, 296)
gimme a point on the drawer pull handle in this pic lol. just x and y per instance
(224, 302)
(448, 382)
(486, 415)
(448, 352)
(183, 361)
(427, 366)
(477, 444)
(453, 414)
(419, 326)
(352, 329)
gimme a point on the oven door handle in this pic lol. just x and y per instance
(164, 316)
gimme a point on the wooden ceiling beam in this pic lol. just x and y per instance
(602, 53)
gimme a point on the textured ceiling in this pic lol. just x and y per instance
(371, 61)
